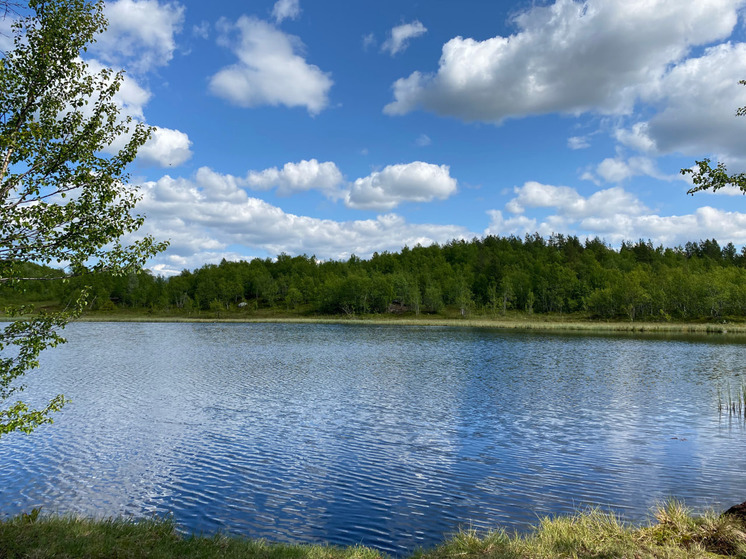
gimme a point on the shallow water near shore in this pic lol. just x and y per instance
(389, 436)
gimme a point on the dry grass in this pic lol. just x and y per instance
(535, 324)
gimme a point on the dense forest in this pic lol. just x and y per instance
(491, 276)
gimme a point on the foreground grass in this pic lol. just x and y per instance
(675, 534)
(68, 537)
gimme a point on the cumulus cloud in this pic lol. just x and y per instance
(286, 9)
(567, 57)
(165, 148)
(613, 214)
(699, 98)
(636, 137)
(412, 182)
(140, 34)
(269, 70)
(705, 223)
(299, 177)
(618, 169)
(399, 37)
(514, 225)
(131, 97)
(380, 191)
(571, 204)
(207, 215)
(211, 216)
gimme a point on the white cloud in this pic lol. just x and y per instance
(613, 214)
(286, 9)
(131, 97)
(140, 34)
(636, 137)
(614, 170)
(617, 169)
(567, 57)
(699, 98)
(209, 216)
(165, 148)
(299, 177)
(205, 216)
(514, 225)
(578, 142)
(400, 36)
(381, 191)
(569, 203)
(269, 71)
(411, 182)
(6, 34)
(705, 223)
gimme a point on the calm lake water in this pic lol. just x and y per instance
(389, 436)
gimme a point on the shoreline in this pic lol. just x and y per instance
(580, 326)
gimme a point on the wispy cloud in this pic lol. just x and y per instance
(399, 37)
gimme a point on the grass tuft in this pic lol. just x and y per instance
(677, 534)
(676, 526)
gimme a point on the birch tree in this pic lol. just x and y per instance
(64, 192)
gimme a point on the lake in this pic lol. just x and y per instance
(389, 436)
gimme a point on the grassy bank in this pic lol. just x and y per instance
(675, 534)
(511, 322)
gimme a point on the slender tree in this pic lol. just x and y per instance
(62, 199)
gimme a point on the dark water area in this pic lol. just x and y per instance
(388, 436)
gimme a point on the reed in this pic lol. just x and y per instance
(733, 401)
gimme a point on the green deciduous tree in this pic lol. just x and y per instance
(63, 200)
(707, 177)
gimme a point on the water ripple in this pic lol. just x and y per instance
(388, 436)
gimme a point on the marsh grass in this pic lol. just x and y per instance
(734, 401)
(675, 534)
(528, 322)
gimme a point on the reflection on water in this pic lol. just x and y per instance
(383, 435)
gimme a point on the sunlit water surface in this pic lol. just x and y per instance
(388, 436)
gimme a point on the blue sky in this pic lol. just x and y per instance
(334, 127)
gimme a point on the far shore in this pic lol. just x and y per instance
(515, 321)
(533, 323)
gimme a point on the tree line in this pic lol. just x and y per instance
(489, 276)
